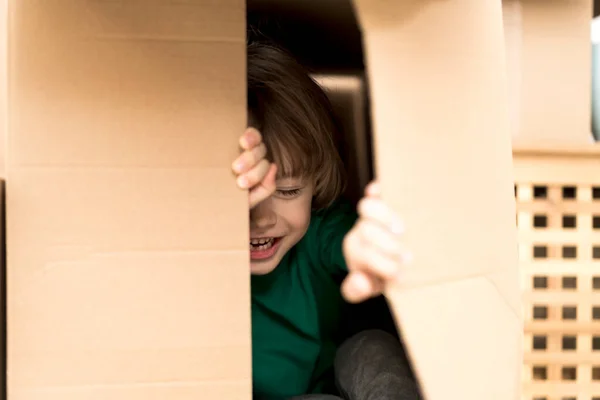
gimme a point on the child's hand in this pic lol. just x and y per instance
(253, 170)
(373, 248)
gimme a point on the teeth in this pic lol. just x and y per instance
(261, 241)
(261, 244)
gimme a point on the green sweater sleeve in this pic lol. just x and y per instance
(331, 226)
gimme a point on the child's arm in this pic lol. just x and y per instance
(253, 170)
(373, 248)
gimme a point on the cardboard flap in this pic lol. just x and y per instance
(512, 17)
(556, 80)
(437, 76)
(121, 260)
(3, 83)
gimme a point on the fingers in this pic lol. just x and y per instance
(249, 158)
(254, 176)
(253, 170)
(373, 209)
(373, 248)
(250, 139)
(265, 189)
(376, 235)
(365, 255)
(359, 286)
(373, 189)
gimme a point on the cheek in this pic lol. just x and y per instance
(297, 212)
(301, 217)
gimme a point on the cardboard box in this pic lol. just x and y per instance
(549, 63)
(513, 44)
(3, 82)
(3, 127)
(127, 238)
(443, 154)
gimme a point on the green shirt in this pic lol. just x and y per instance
(296, 311)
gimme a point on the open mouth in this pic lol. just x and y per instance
(261, 244)
(263, 248)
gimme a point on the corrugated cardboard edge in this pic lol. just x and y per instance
(443, 156)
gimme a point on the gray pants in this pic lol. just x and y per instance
(372, 366)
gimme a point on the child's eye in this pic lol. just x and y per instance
(288, 192)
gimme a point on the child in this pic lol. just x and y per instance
(302, 238)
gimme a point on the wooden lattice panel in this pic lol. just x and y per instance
(558, 218)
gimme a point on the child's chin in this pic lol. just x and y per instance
(262, 268)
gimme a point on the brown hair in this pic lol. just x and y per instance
(295, 117)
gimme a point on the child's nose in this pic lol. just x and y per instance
(262, 216)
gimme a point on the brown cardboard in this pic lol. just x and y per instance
(443, 154)
(513, 39)
(127, 237)
(555, 62)
(3, 82)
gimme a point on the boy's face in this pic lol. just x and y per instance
(278, 223)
